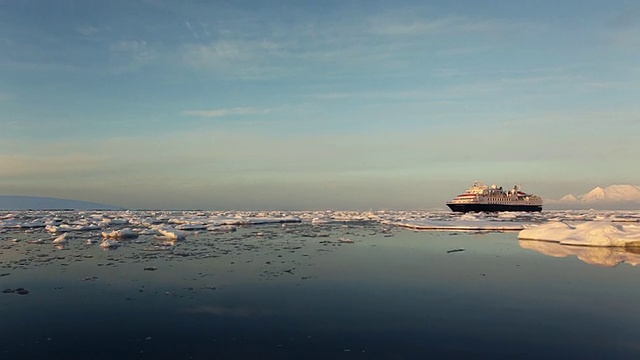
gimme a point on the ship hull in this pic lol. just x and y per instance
(492, 207)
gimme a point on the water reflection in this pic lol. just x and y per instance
(331, 290)
(599, 256)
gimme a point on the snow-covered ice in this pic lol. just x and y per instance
(126, 233)
(109, 243)
(61, 240)
(171, 233)
(588, 233)
(461, 225)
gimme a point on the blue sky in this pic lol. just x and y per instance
(315, 104)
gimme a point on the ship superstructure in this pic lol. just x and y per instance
(480, 197)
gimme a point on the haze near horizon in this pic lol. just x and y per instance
(290, 105)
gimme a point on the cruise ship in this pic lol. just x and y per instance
(480, 197)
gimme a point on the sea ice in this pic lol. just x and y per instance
(461, 225)
(125, 233)
(66, 228)
(109, 243)
(588, 233)
(60, 240)
(222, 228)
(171, 233)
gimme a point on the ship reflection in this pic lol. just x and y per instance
(599, 256)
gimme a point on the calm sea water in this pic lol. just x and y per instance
(299, 292)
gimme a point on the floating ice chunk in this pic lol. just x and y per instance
(13, 223)
(222, 228)
(66, 228)
(345, 240)
(221, 220)
(589, 233)
(171, 233)
(109, 243)
(146, 232)
(125, 233)
(60, 240)
(112, 222)
(319, 221)
(469, 216)
(507, 215)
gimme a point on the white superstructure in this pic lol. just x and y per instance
(480, 197)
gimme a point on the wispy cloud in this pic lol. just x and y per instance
(188, 24)
(239, 58)
(448, 25)
(131, 55)
(226, 112)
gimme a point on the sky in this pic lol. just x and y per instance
(289, 105)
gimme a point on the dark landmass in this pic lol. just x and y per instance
(18, 202)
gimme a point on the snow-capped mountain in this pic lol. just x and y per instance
(611, 197)
(613, 193)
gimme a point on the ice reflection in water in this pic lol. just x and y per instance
(594, 255)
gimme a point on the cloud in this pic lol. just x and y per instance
(446, 25)
(188, 24)
(413, 28)
(239, 58)
(225, 112)
(131, 55)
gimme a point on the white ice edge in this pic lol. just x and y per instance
(588, 233)
(460, 225)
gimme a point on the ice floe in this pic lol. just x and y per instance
(588, 233)
(460, 225)
(170, 233)
(109, 243)
(67, 228)
(61, 240)
(222, 228)
(126, 233)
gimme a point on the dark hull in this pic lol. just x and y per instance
(492, 207)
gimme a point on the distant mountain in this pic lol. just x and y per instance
(624, 197)
(17, 202)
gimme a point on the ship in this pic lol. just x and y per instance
(480, 197)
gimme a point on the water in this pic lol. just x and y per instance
(274, 292)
